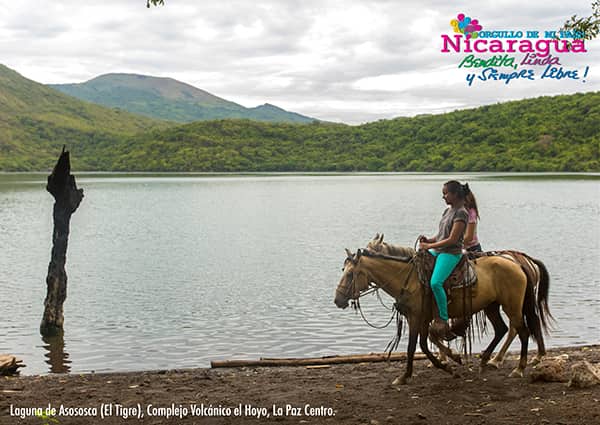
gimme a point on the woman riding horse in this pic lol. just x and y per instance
(501, 283)
(447, 248)
(537, 276)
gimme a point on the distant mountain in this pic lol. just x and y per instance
(35, 121)
(166, 98)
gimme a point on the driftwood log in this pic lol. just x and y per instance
(9, 365)
(313, 361)
(62, 186)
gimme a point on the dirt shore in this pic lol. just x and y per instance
(339, 394)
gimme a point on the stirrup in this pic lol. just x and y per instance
(440, 329)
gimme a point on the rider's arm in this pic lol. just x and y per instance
(458, 227)
(469, 233)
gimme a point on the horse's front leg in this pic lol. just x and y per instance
(445, 351)
(410, 353)
(424, 332)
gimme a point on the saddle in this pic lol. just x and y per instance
(463, 274)
(526, 263)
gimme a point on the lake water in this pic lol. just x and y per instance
(172, 271)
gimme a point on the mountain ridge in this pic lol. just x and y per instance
(549, 133)
(168, 98)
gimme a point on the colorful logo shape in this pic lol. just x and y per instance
(465, 25)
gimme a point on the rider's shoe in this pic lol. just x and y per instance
(440, 329)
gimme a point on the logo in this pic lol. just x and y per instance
(466, 26)
(529, 55)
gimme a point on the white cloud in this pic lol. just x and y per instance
(352, 61)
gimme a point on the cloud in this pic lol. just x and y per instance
(350, 61)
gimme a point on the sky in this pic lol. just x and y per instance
(343, 61)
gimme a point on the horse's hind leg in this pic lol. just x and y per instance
(493, 314)
(524, 337)
(499, 357)
(541, 350)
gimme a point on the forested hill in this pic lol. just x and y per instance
(169, 99)
(560, 133)
(35, 121)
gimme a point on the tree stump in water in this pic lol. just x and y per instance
(61, 185)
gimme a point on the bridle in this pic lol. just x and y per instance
(372, 287)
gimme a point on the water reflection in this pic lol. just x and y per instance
(56, 356)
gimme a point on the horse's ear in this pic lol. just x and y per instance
(348, 253)
(358, 253)
(376, 236)
(381, 238)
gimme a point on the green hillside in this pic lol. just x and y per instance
(166, 98)
(35, 121)
(560, 133)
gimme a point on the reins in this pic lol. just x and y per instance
(375, 288)
(393, 344)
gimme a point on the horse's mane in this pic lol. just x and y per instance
(373, 254)
(397, 250)
(377, 245)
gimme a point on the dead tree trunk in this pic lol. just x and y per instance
(61, 185)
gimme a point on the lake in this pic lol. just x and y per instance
(175, 270)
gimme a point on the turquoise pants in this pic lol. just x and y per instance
(444, 264)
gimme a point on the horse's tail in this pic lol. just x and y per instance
(543, 288)
(538, 285)
(531, 313)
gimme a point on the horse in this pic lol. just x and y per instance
(378, 245)
(501, 282)
(539, 278)
(534, 269)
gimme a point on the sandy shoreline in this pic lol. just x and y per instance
(347, 393)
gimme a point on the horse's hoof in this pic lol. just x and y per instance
(517, 373)
(494, 363)
(401, 380)
(536, 360)
(457, 359)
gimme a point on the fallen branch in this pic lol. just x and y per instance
(9, 364)
(313, 361)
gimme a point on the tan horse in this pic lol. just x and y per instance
(501, 283)
(534, 269)
(538, 277)
(378, 245)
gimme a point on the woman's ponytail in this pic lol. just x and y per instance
(466, 189)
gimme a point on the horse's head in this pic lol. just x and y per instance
(376, 244)
(354, 280)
